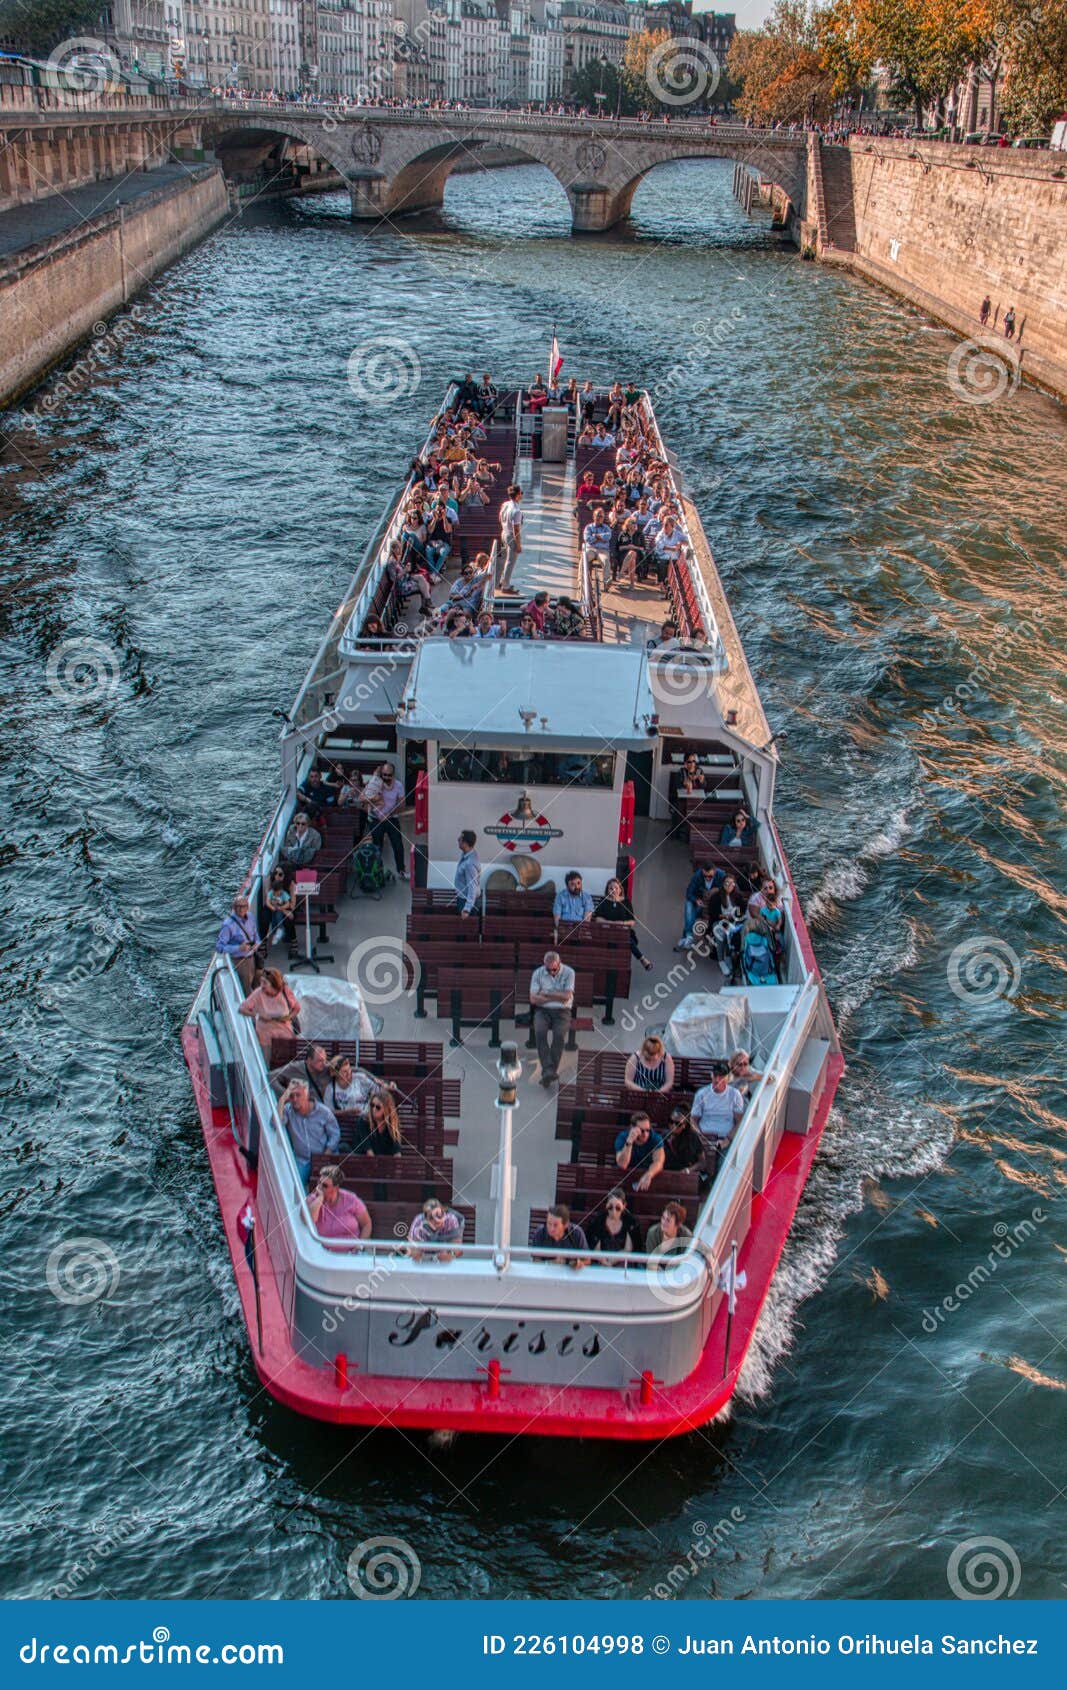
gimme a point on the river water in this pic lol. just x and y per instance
(893, 551)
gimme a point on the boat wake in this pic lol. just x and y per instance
(870, 1135)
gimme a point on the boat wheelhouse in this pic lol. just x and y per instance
(559, 755)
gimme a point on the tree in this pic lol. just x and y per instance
(781, 69)
(925, 45)
(35, 27)
(1035, 54)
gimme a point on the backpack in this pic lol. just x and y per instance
(758, 960)
(368, 869)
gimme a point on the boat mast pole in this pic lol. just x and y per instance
(509, 1072)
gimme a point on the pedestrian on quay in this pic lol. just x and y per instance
(983, 315)
(1009, 323)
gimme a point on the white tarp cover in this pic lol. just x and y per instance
(706, 1024)
(330, 1009)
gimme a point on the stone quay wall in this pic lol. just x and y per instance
(943, 226)
(52, 294)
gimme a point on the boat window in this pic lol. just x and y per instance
(523, 767)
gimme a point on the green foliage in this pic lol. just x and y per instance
(35, 27)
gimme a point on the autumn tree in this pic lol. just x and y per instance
(781, 69)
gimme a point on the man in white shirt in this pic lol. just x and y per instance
(383, 817)
(717, 1109)
(510, 534)
(551, 999)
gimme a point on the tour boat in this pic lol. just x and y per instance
(560, 754)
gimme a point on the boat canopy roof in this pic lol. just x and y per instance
(506, 692)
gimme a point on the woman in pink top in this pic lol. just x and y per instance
(274, 1009)
(338, 1213)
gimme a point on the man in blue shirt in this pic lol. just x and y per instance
(239, 938)
(572, 904)
(311, 1126)
(468, 873)
(597, 538)
(638, 1148)
(704, 881)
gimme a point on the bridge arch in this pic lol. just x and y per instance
(243, 148)
(777, 168)
(403, 174)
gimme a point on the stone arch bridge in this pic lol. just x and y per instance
(395, 162)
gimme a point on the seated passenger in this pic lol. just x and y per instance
(571, 902)
(767, 902)
(669, 547)
(740, 831)
(717, 1108)
(615, 907)
(239, 940)
(742, 1073)
(273, 1010)
(670, 1235)
(596, 538)
(337, 1213)
(372, 629)
(538, 609)
(458, 626)
(316, 794)
(561, 1231)
(302, 842)
(629, 559)
(537, 394)
(551, 1000)
(435, 1225)
(486, 628)
(650, 1068)
(281, 908)
(684, 1149)
(567, 619)
(468, 589)
(409, 582)
(587, 487)
(312, 1128)
(525, 629)
(614, 1228)
(348, 1087)
(313, 1068)
(381, 1127)
(723, 914)
(703, 882)
(640, 1149)
(691, 777)
(667, 639)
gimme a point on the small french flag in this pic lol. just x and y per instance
(555, 362)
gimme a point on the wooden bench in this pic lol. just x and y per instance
(391, 1179)
(476, 997)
